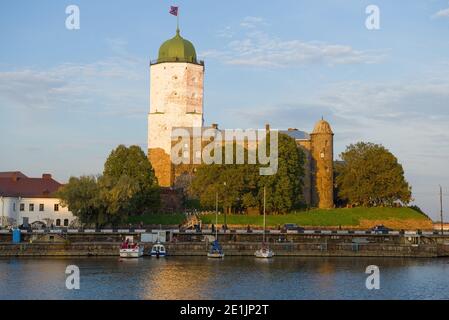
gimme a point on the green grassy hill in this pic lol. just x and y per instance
(363, 218)
(164, 219)
(354, 217)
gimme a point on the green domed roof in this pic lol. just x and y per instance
(177, 49)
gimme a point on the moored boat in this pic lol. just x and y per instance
(265, 252)
(216, 251)
(158, 250)
(131, 250)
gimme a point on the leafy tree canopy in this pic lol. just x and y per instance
(127, 187)
(240, 186)
(370, 175)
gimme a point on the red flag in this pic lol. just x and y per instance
(174, 10)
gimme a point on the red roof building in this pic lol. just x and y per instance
(27, 201)
(16, 184)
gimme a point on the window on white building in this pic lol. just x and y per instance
(58, 222)
(56, 208)
(66, 222)
(41, 207)
(22, 207)
(14, 206)
(31, 207)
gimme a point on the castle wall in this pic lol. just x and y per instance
(305, 146)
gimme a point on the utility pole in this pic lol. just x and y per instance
(225, 209)
(441, 210)
(264, 216)
(216, 215)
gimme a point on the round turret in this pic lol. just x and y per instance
(322, 126)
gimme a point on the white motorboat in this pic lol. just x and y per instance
(131, 250)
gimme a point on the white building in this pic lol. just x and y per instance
(25, 200)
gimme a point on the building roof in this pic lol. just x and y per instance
(296, 134)
(177, 49)
(293, 133)
(12, 174)
(17, 184)
(322, 126)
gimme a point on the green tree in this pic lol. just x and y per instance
(284, 189)
(129, 176)
(82, 197)
(370, 175)
(240, 186)
(127, 187)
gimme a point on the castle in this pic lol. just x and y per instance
(176, 101)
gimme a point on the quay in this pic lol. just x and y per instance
(326, 243)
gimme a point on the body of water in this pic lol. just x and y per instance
(231, 278)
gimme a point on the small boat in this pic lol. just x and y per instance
(265, 252)
(131, 250)
(158, 250)
(215, 251)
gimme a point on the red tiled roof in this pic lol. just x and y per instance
(12, 174)
(19, 185)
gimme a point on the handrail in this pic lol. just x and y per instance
(194, 61)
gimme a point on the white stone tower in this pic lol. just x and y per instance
(176, 100)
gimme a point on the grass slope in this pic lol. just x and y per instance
(164, 219)
(334, 217)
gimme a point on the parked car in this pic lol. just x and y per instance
(380, 229)
(292, 226)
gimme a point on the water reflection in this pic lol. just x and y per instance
(230, 278)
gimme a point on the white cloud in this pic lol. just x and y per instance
(252, 22)
(226, 32)
(73, 87)
(258, 48)
(444, 13)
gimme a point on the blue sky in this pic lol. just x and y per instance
(68, 97)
